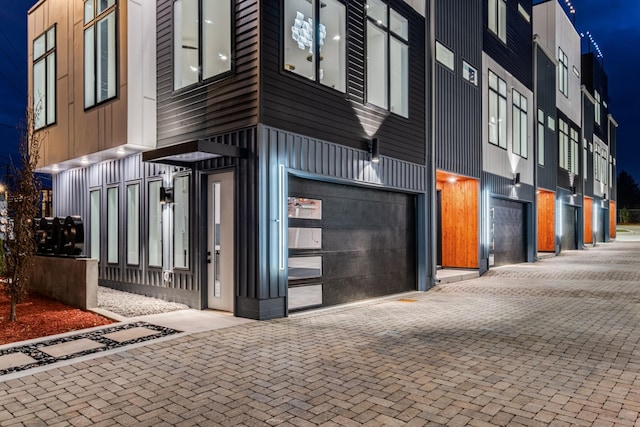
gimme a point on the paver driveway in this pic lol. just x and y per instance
(550, 343)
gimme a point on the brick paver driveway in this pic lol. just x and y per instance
(550, 343)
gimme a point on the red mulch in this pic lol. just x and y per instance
(40, 317)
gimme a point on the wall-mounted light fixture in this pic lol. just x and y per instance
(374, 150)
(604, 196)
(166, 195)
(573, 190)
(516, 180)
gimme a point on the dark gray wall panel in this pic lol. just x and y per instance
(509, 231)
(595, 79)
(587, 131)
(546, 101)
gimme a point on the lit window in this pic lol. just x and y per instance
(445, 56)
(99, 51)
(497, 111)
(181, 222)
(519, 124)
(300, 41)
(563, 73)
(155, 224)
(597, 112)
(112, 225)
(575, 152)
(94, 223)
(469, 73)
(44, 79)
(563, 144)
(498, 18)
(387, 58)
(202, 47)
(133, 224)
(584, 161)
(541, 130)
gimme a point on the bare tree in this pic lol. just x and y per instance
(23, 200)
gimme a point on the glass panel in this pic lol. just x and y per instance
(493, 81)
(502, 20)
(399, 74)
(299, 38)
(502, 122)
(305, 238)
(39, 98)
(88, 11)
(94, 219)
(104, 5)
(493, 13)
(51, 38)
(399, 25)
(106, 57)
(502, 87)
(305, 267)
(133, 224)
(551, 123)
(216, 33)
(333, 44)
(493, 117)
(181, 222)
(377, 10)
(89, 69)
(443, 56)
(155, 224)
(51, 88)
(524, 135)
(39, 47)
(304, 208)
(516, 130)
(186, 45)
(304, 296)
(469, 73)
(112, 225)
(376, 66)
(541, 143)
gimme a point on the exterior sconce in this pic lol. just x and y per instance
(166, 195)
(604, 196)
(516, 180)
(573, 190)
(374, 150)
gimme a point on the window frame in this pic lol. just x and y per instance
(501, 101)
(113, 226)
(522, 118)
(160, 183)
(498, 10)
(563, 144)
(44, 58)
(190, 254)
(597, 112)
(232, 48)
(95, 224)
(574, 151)
(130, 216)
(541, 136)
(563, 72)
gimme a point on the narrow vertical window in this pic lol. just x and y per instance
(563, 72)
(387, 58)
(99, 51)
(540, 137)
(133, 224)
(155, 224)
(497, 18)
(497, 111)
(181, 222)
(584, 161)
(94, 224)
(520, 133)
(112, 225)
(563, 144)
(44, 79)
(201, 40)
(597, 112)
(575, 151)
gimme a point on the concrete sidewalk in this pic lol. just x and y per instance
(550, 343)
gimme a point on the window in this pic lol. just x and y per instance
(563, 143)
(551, 123)
(181, 222)
(99, 51)
(563, 73)
(445, 56)
(201, 39)
(44, 79)
(387, 58)
(541, 130)
(133, 224)
(94, 218)
(469, 73)
(497, 111)
(597, 112)
(584, 161)
(498, 18)
(112, 225)
(155, 224)
(300, 42)
(575, 152)
(519, 124)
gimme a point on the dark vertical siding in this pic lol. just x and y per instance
(614, 171)
(501, 186)
(587, 129)
(295, 104)
(516, 55)
(215, 105)
(595, 79)
(546, 101)
(458, 103)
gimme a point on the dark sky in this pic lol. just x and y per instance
(614, 24)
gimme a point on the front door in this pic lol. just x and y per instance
(220, 238)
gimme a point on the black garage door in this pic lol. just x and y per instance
(509, 234)
(366, 241)
(569, 223)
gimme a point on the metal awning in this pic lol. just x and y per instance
(192, 151)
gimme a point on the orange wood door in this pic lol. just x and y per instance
(546, 221)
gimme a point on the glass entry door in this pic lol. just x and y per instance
(220, 250)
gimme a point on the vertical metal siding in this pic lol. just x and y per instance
(546, 101)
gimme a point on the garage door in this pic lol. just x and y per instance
(569, 225)
(357, 243)
(509, 237)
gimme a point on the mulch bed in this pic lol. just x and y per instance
(40, 317)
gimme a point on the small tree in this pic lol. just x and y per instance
(23, 206)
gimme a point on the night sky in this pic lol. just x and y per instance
(614, 24)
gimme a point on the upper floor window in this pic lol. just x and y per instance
(497, 111)
(563, 72)
(498, 18)
(540, 136)
(597, 112)
(387, 58)
(99, 51)
(316, 26)
(181, 222)
(202, 40)
(519, 126)
(563, 144)
(44, 79)
(575, 151)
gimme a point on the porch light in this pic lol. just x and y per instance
(516, 180)
(166, 195)
(374, 150)
(573, 190)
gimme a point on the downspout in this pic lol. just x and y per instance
(535, 145)
(431, 162)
